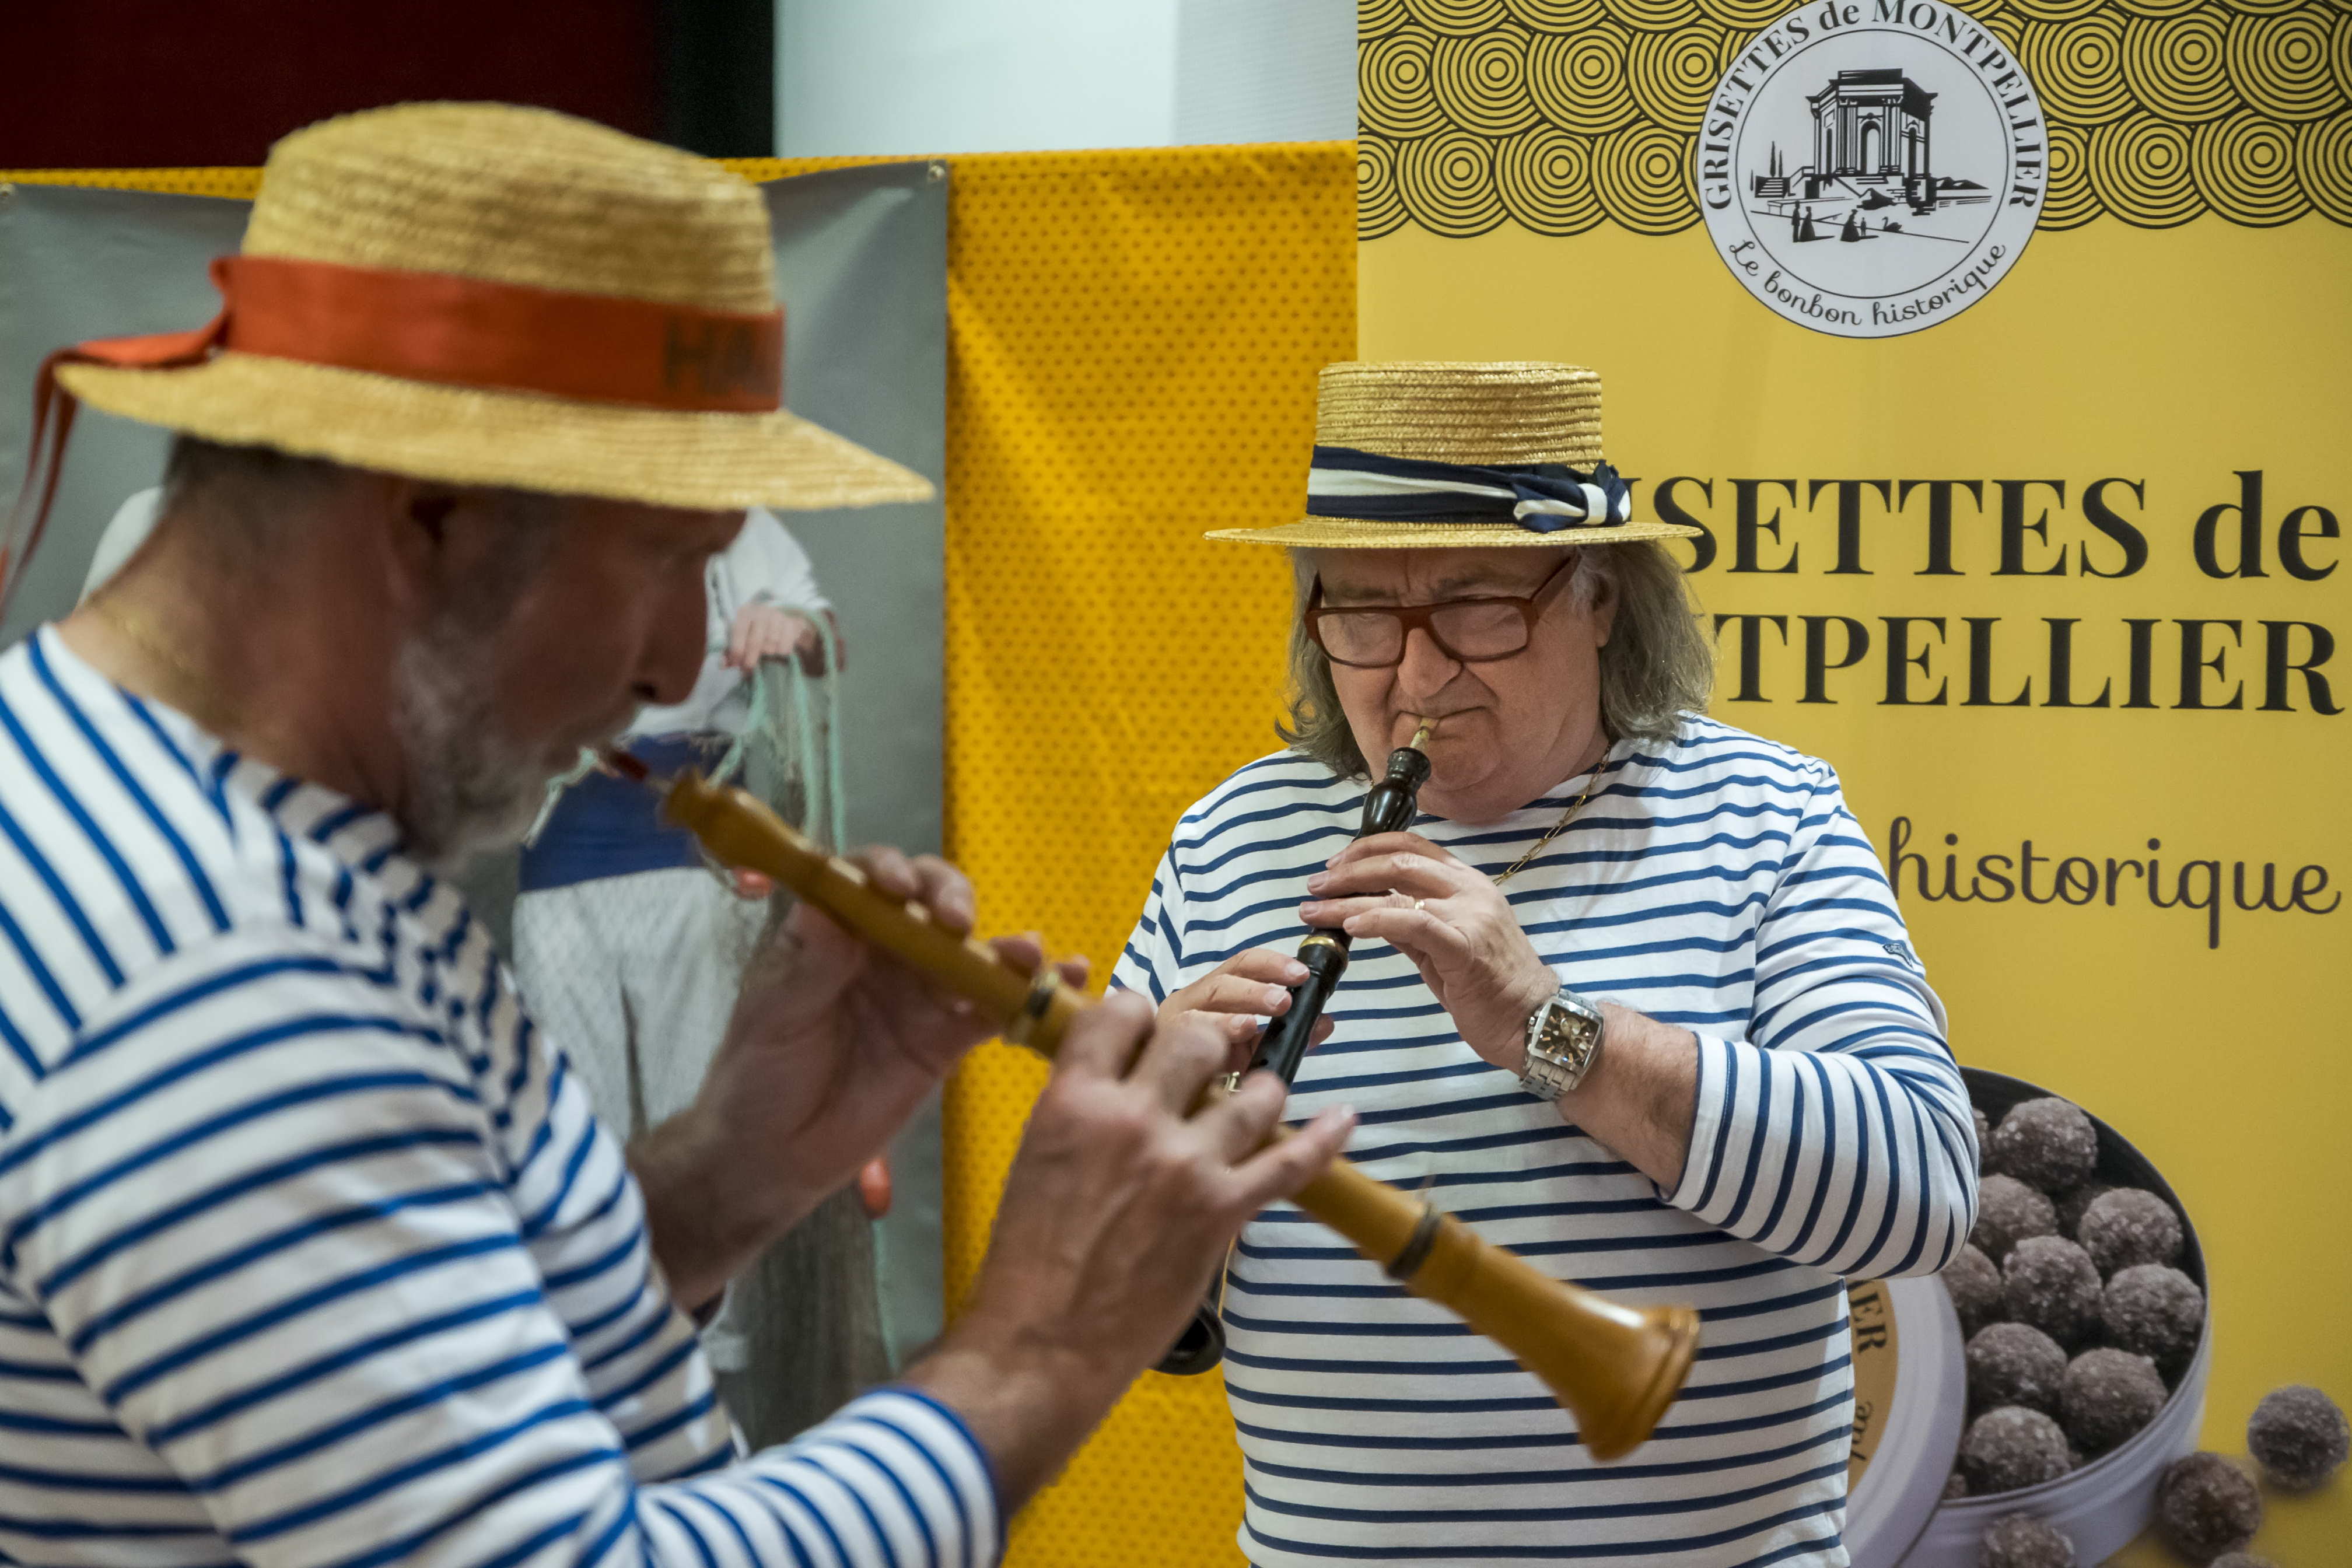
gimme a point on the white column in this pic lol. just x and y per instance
(973, 76)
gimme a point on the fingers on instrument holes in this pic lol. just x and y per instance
(1238, 1123)
(1103, 1040)
(889, 870)
(945, 891)
(1288, 1164)
(1179, 1059)
(1264, 964)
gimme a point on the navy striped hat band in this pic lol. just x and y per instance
(1542, 497)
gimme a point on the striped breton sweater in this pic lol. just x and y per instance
(1717, 881)
(311, 1251)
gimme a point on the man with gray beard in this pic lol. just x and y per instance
(313, 1249)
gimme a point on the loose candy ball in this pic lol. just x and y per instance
(2298, 1436)
(1955, 1486)
(2072, 1208)
(2107, 1396)
(2013, 1363)
(2012, 1447)
(1984, 1134)
(1974, 1286)
(2007, 1211)
(2127, 1227)
(2046, 1143)
(2206, 1506)
(2154, 1310)
(2021, 1541)
(2049, 1283)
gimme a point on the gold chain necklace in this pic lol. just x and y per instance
(1573, 807)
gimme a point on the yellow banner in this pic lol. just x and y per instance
(2005, 356)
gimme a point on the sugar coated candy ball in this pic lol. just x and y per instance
(2156, 1311)
(2021, 1541)
(2014, 1364)
(2206, 1506)
(1984, 1134)
(2049, 1283)
(2126, 1227)
(1955, 1486)
(2012, 1447)
(1974, 1286)
(2298, 1436)
(2071, 1207)
(2107, 1396)
(2045, 1143)
(2007, 1211)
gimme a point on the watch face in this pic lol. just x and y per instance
(1566, 1035)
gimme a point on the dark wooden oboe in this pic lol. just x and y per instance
(1388, 808)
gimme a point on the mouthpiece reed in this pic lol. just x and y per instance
(1420, 741)
(614, 760)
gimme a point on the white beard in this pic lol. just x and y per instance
(472, 788)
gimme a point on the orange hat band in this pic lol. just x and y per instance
(430, 327)
(465, 332)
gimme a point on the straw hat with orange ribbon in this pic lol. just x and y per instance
(492, 295)
(1416, 454)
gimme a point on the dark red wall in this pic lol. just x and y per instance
(143, 83)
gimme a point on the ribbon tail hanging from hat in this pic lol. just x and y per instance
(53, 418)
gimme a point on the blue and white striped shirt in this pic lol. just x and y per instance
(1717, 881)
(311, 1251)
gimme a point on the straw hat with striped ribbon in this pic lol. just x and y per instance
(1415, 455)
(485, 294)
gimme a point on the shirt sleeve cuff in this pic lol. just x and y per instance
(1702, 1165)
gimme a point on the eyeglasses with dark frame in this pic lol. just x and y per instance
(1468, 631)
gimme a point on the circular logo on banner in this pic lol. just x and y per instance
(1870, 167)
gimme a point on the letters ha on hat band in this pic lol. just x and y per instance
(1542, 497)
(429, 327)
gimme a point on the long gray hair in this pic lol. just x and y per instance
(1656, 666)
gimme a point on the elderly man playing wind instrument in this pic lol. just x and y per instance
(1632, 998)
(311, 1249)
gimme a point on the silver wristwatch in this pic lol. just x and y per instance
(1563, 1042)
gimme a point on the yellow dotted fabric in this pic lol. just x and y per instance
(237, 185)
(1136, 337)
(1134, 341)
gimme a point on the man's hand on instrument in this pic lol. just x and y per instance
(1246, 988)
(764, 631)
(832, 1047)
(1120, 1207)
(1452, 921)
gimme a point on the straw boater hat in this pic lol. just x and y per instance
(1414, 455)
(485, 294)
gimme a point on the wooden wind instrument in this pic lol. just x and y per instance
(1614, 1368)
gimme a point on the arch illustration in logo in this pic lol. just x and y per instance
(1871, 167)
